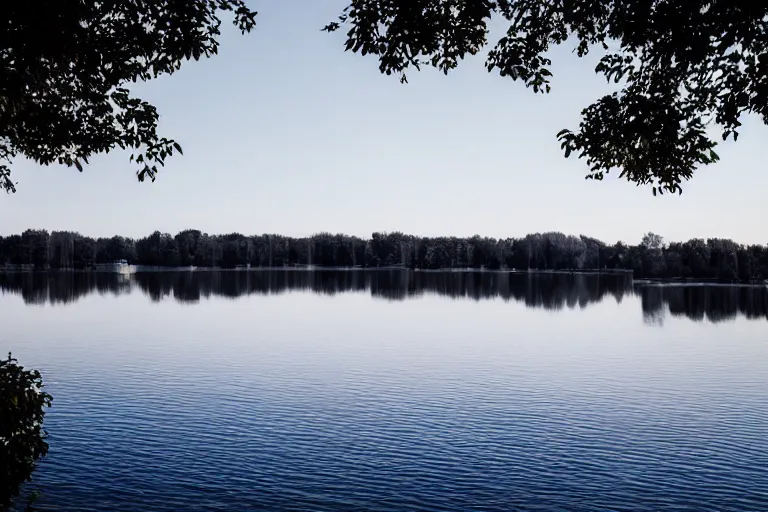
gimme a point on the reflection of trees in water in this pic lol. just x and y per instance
(536, 290)
(192, 286)
(712, 302)
(62, 287)
(551, 291)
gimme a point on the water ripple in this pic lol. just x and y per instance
(434, 407)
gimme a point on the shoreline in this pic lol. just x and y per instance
(127, 270)
(133, 269)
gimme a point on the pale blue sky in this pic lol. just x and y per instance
(283, 132)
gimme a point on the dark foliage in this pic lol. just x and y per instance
(715, 259)
(682, 66)
(66, 68)
(22, 438)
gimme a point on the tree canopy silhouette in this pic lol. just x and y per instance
(22, 438)
(66, 66)
(683, 69)
(682, 66)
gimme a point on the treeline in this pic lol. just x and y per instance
(720, 259)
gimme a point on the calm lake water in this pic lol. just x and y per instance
(394, 391)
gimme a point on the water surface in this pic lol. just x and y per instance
(392, 390)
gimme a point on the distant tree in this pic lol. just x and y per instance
(157, 249)
(22, 438)
(682, 66)
(652, 241)
(10, 250)
(205, 252)
(652, 256)
(187, 242)
(84, 256)
(595, 253)
(120, 248)
(235, 249)
(696, 255)
(34, 247)
(62, 249)
(66, 69)
(724, 258)
(673, 261)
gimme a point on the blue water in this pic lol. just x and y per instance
(394, 392)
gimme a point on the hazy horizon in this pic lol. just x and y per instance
(283, 132)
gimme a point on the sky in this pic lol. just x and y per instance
(284, 132)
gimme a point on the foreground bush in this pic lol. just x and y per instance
(22, 438)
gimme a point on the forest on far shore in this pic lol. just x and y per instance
(713, 258)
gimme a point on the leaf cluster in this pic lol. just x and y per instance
(22, 438)
(685, 69)
(66, 67)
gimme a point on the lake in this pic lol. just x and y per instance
(394, 391)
